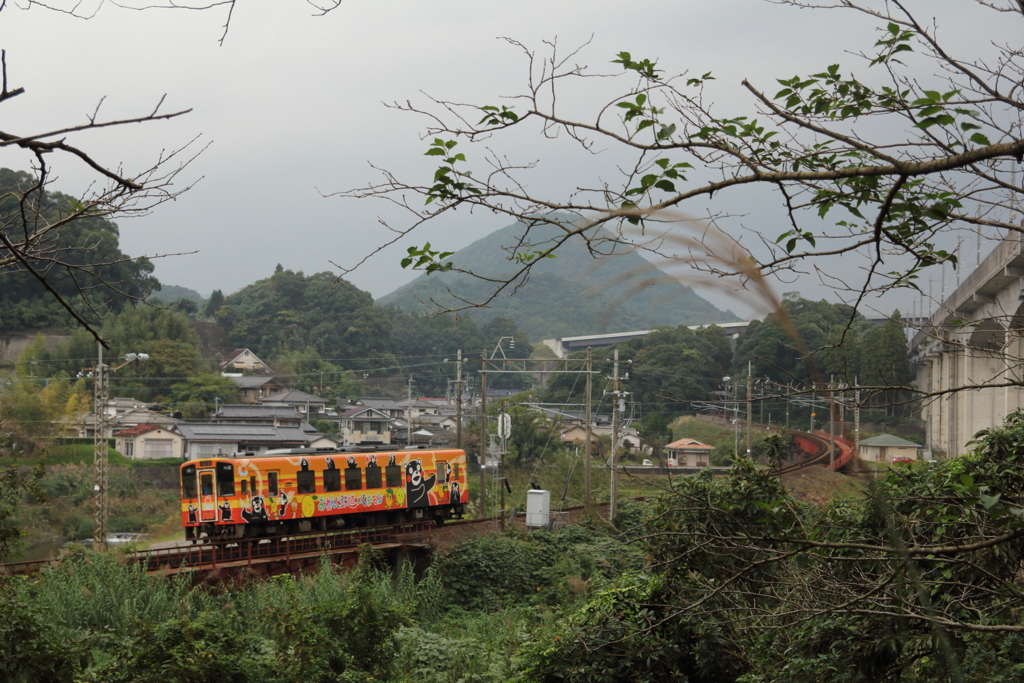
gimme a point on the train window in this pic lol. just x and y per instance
(245, 487)
(252, 484)
(373, 478)
(353, 479)
(272, 483)
(225, 479)
(393, 475)
(442, 471)
(207, 484)
(455, 474)
(188, 482)
(306, 481)
(332, 480)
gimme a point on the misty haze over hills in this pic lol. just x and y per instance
(571, 294)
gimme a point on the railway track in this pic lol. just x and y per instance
(816, 449)
(215, 553)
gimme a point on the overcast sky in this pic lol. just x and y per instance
(292, 106)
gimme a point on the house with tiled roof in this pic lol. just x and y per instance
(688, 452)
(885, 447)
(253, 388)
(148, 441)
(364, 425)
(207, 439)
(310, 406)
(243, 360)
(244, 413)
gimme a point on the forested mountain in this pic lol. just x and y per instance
(571, 294)
(317, 328)
(833, 343)
(82, 260)
(171, 293)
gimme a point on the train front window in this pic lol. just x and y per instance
(225, 479)
(188, 482)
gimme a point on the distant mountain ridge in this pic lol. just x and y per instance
(572, 294)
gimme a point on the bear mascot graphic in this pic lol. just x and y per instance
(257, 512)
(417, 487)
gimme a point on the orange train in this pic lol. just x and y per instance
(303, 490)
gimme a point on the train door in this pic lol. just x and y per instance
(207, 496)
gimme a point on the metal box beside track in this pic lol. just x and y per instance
(538, 507)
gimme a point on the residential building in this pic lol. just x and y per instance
(689, 453)
(206, 439)
(364, 425)
(885, 447)
(252, 389)
(148, 441)
(310, 406)
(244, 413)
(243, 360)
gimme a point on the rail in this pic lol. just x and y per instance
(216, 553)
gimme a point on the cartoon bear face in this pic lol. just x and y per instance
(414, 472)
(257, 504)
(352, 462)
(371, 461)
(330, 464)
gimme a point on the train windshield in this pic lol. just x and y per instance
(188, 482)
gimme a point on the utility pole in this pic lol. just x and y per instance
(613, 502)
(458, 401)
(99, 529)
(501, 466)
(789, 391)
(587, 441)
(408, 413)
(750, 415)
(483, 433)
(856, 418)
(831, 426)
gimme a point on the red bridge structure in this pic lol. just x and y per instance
(813, 449)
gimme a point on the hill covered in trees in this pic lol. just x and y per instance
(574, 293)
(79, 255)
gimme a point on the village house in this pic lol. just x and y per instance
(886, 447)
(252, 389)
(243, 360)
(364, 425)
(148, 441)
(208, 439)
(689, 453)
(310, 406)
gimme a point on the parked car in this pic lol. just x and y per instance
(647, 463)
(902, 458)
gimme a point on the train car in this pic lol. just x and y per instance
(303, 490)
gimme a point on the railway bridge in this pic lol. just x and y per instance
(967, 354)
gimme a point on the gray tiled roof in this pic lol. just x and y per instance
(206, 431)
(251, 382)
(889, 440)
(293, 396)
(250, 411)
